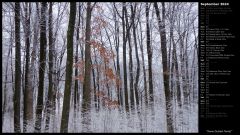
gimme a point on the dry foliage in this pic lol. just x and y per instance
(106, 101)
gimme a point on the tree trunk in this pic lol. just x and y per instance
(49, 102)
(97, 80)
(28, 97)
(136, 53)
(17, 92)
(144, 69)
(94, 86)
(86, 104)
(76, 85)
(161, 25)
(119, 88)
(32, 70)
(175, 67)
(149, 52)
(43, 42)
(69, 69)
(175, 72)
(125, 59)
(128, 36)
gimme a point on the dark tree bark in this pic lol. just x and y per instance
(17, 92)
(149, 52)
(69, 69)
(176, 72)
(125, 58)
(97, 80)
(49, 102)
(161, 25)
(76, 85)
(43, 42)
(128, 36)
(28, 94)
(119, 86)
(133, 10)
(94, 86)
(87, 77)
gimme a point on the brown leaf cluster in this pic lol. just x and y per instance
(107, 102)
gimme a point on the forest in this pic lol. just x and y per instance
(100, 67)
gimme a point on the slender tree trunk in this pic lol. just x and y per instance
(128, 36)
(119, 88)
(76, 93)
(87, 77)
(28, 97)
(175, 67)
(144, 69)
(175, 72)
(114, 63)
(97, 80)
(125, 58)
(69, 69)
(49, 102)
(161, 25)
(94, 86)
(136, 53)
(17, 93)
(76, 85)
(33, 57)
(43, 42)
(36, 31)
(149, 52)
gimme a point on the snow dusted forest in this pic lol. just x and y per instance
(100, 67)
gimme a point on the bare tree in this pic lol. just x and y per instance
(17, 92)
(49, 102)
(161, 25)
(117, 39)
(43, 42)
(128, 36)
(149, 52)
(69, 69)
(143, 65)
(125, 57)
(28, 93)
(133, 10)
(87, 77)
(104, 64)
